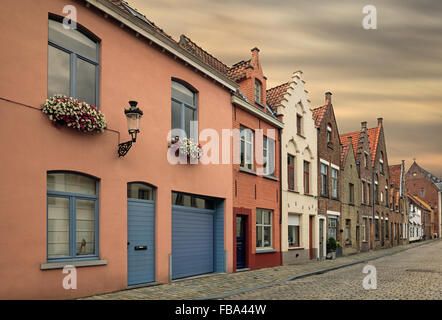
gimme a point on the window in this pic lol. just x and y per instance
(366, 160)
(324, 180)
(73, 63)
(334, 183)
(348, 231)
(247, 160)
(293, 230)
(387, 235)
(291, 171)
(72, 217)
(299, 124)
(376, 191)
(376, 229)
(263, 228)
(381, 163)
(364, 197)
(332, 228)
(184, 111)
(269, 156)
(382, 197)
(364, 230)
(139, 191)
(351, 189)
(329, 133)
(193, 201)
(257, 91)
(370, 199)
(422, 193)
(306, 177)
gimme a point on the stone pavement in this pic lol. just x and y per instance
(219, 286)
(415, 274)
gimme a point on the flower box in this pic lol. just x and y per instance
(72, 113)
(185, 147)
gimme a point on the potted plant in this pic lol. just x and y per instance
(338, 250)
(331, 248)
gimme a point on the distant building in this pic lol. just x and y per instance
(421, 183)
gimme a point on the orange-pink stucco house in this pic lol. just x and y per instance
(66, 197)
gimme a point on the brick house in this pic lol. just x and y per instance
(427, 187)
(256, 187)
(361, 148)
(350, 196)
(398, 199)
(385, 222)
(329, 161)
(299, 231)
(256, 163)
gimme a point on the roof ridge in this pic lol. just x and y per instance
(206, 52)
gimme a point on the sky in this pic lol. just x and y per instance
(393, 72)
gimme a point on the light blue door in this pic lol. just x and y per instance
(140, 241)
(192, 241)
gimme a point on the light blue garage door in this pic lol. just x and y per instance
(140, 241)
(192, 241)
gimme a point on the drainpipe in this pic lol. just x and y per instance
(373, 204)
(280, 197)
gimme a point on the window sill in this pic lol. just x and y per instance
(296, 248)
(293, 191)
(271, 178)
(300, 135)
(76, 263)
(247, 171)
(269, 250)
(309, 195)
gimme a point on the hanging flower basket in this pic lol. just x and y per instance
(70, 112)
(186, 147)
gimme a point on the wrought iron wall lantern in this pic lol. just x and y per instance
(133, 115)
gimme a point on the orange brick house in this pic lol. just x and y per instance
(256, 163)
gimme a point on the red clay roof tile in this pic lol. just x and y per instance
(275, 95)
(318, 114)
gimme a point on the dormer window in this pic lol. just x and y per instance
(258, 92)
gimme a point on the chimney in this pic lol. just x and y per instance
(363, 126)
(380, 122)
(328, 99)
(255, 56)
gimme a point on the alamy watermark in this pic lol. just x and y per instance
(370, 21)
(370, 281)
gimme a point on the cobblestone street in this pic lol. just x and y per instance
(406, 272)
(412, 274)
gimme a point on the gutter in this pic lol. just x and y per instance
(149, 33)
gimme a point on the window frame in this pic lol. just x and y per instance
(258, 95)
(185, 105)
(291, 167)
(266, 146)
(72, 219)
(299, 128)
(252, 143)
(73, 57)
(351, 190)
(335, 184)
(306, 177)
(263, 226)
(297, 233)
(324, 180)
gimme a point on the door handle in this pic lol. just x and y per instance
(140, 247)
